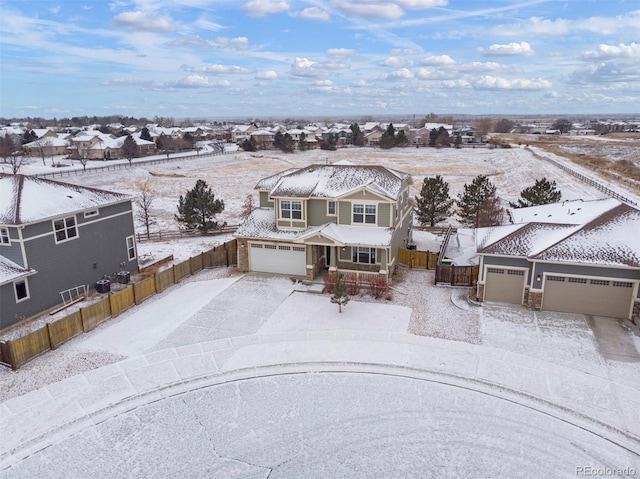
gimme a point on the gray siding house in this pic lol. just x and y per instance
(335, 217)
(56, 236)
(578, 257)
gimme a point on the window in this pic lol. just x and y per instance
(291, 209)
(364, 255)
(65, 229)
(22, 290)
(364, 214)
(131, 248)
(4, 236)
(331, 208)
(89, 214)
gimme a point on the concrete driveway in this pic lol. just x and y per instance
(616, 339)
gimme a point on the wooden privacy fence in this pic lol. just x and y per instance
(457, 275)
(16, 352)
(417, 259)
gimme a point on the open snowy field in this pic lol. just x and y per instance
(233, 176)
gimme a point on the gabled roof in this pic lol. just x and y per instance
(332, 181)
(26, 199)
(576, 212)
(10, 271)
(609, 239)
(261, 224)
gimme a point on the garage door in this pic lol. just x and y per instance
(504, 285)
(587, 296)
(281, 259)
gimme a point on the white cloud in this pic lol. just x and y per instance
(481, 67)
(199, 81)
(605, 51)
(267, 75)
(238, 43)
(401, 74)
(143, 21)
(438, 60)
(303, 67)
(432, 74)
(369, 9)
(395, 62)
(363, 84)
(261, 8)
(463, 84)
(311, 13)
(207, 25)
(194, 41)
(215, 68)
(340, 52)
(497, 83)
(510, 49)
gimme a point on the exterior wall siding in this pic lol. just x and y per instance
(317, 213)
(264, 200)
(13, 251)
(384, 214)
(587, 271)
(71, 263)
(508, 262)
(344, 213)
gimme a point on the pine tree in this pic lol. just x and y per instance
(542, 192)
(198, 208)
(145, 135)
(129, 148)
(401, 139)
(288, 144)
(434, 204)
(478, 204)
(340, 296)
(303, 144)
(386, 141)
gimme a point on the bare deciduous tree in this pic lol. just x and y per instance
(143, 202)
(247, 207)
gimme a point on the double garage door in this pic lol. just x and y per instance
(598, 297)
(279, 259)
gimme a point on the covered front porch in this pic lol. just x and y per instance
(325, 253)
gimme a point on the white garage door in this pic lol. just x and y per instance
(504, 285)
(598, 297)
(281, 259)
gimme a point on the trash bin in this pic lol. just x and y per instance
(124, 277)
(411, 246)
(103, 286)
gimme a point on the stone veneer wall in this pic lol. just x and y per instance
(635, 315)
(480, 293)
(243, 254)
(533, 299)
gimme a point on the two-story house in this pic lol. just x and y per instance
(55, 237)
(335, 217)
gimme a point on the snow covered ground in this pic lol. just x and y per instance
(252, 377)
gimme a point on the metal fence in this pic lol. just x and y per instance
(111, 166)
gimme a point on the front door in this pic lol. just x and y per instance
(327, 256)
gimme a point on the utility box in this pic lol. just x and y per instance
(124, 277)
(103, 286)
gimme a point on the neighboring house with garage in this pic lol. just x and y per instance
(335, 217)
(55, 237)
(575, 256)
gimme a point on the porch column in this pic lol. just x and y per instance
(383, 261)
(333, 258)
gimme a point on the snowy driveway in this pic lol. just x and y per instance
(262, 381)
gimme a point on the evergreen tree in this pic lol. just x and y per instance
(434, 204)
(478, 204)
(386, 141)
(129, 148)
(401, 139)
(303, 144)
(145, 135)
(443, 140)
(542, 192)
(250, 144)
(357, 136)
(433, 136)
(330, 142)
(288, 144)
(277, 140)
(392, 131)
(198, 208)
(340, 296)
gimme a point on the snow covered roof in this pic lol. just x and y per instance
(10, 271)
(351, 235)
(261, 225)
(576, 212)
(26, 199)
(331, 181)
(610, 239)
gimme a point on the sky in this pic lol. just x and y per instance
(335, 58)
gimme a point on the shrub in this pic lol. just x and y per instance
(378, 286)
(353, 283)
(330, 279)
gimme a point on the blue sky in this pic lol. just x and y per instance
(336, 58)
